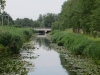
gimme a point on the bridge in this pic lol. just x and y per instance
(43, 30)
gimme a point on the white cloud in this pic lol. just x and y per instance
(32, 8)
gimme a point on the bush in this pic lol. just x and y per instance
(27, 34)
(10, 40)
(13, 38)
(3, 50)
(77, 44)
(57, 36)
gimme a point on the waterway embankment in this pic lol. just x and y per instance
(72, 48)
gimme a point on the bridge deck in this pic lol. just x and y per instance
(42, 29)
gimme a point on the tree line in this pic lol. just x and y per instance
(80, 15)
(45, 20)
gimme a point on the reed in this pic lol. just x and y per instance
(13, 38)
(77, 44)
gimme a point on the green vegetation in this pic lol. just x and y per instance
(81, 16)
(45, 20)
(81, 20)
(11, 39)
(5, 19)
(2, 4)
(13, 67)
(77, 44)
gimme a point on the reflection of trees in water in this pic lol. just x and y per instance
(44, 42)
(66, 65)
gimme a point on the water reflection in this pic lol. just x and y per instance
(66, 65)
(43, 42)
(47, 62)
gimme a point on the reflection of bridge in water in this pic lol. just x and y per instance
(43, 30)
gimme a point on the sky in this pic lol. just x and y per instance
(32, 8)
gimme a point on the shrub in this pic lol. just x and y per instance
(77, 44)
(57, 36)
(3, 50)
(13, 38)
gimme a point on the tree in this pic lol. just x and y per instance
(49, 18)
(40, 18)
(46, 20)
(7, 19)
(94, 17)
(76, 14)
(26, 22)
(55, 25)
(2, 5)
(36, 24)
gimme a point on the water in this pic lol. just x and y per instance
(48, 61)
(43, 60)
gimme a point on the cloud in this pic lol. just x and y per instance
(32, 8)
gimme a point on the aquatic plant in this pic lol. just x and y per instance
(13, 67)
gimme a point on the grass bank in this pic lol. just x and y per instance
(78, 44)
(12, 38)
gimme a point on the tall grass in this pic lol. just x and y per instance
(77, 44)
(13, 38)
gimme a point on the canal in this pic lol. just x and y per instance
(48, 61)
(37, 57)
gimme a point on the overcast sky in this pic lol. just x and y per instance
(32, 8)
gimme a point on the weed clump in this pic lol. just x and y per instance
(77, 44)
(13, 38)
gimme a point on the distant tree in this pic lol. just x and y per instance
(46, 20)
(55, 25)
(26, 22)
(40, 18)
(36, 24)
(42, 24)
(18, 22)
(6, 19)
(2, 5)
(49, 18)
